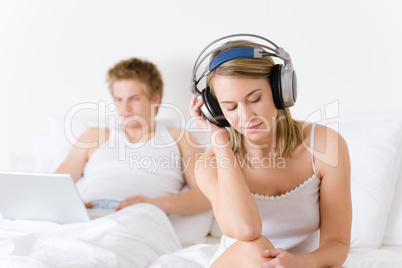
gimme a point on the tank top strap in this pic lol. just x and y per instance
(312, 145)
(162, 135)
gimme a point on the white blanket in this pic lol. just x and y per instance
(137, 236)
(132, 237)
(198, 256)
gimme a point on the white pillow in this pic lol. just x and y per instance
(21, 163)
(377, 258)
(52, 149)
(30, 164)
(215, 229)
(192, 229)
(375, 149)
(393, 231)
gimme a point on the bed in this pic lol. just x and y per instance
(143, 236)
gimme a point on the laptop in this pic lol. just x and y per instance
(43, 197)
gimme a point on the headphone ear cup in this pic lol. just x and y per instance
(212, 110)
(276, 86)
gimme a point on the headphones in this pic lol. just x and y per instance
(283, 77)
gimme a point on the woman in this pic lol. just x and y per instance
(141, 160)
(279, 188)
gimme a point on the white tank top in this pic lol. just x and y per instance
(119, 169)
(292, 220)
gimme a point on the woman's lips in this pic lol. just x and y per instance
(253, 128)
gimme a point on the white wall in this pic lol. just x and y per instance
(55, 54)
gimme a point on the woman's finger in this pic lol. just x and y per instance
(271, 253)
(198, 104)
(192, 103)
(195, 106)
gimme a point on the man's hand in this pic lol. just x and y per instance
(135, 199)
(89, 205)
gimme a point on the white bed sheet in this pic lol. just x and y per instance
(397, 249)
(198, 256)
(374, 258)
(195, 256)
(132, 237)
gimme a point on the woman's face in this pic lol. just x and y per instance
(247, 104)
(133, 106)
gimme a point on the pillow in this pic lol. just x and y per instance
(30, 164)
(375, 149)
(215, 229)
(373, 258)
(52, 149)
(393, 231)
(21, 163)
(192, 229)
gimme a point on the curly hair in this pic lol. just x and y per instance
(140, 70)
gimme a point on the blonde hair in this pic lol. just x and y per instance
(288, 130)
(140, 70)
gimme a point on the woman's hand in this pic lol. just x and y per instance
(281, 258)
(135, 199)
(217, 135)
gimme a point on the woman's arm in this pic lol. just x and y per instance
(333, 166)
(221, 180)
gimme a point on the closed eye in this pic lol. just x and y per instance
(256, 100)
(231, 109)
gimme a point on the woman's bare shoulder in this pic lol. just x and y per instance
(322, 134)
(329, 146)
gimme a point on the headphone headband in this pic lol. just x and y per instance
(244, 53)
(234, 53)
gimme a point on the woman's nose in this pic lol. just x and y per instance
(245, 113)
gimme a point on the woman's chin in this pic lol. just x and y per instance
(257, 138)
